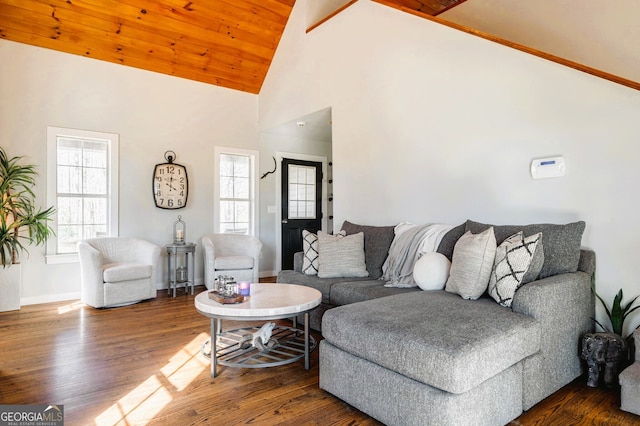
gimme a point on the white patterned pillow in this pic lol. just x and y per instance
(518, 261)
(341, 256)
(310, 251)
(473, 257)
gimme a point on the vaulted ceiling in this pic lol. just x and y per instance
(228, 43)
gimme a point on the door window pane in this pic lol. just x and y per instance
(302, 192)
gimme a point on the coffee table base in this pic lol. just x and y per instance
(289, 347)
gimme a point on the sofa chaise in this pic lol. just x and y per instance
(412, 357)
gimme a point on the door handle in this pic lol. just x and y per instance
(285, 221)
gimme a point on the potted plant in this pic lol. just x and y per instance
(22, 223)
(617, 314)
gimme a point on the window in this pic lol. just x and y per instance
(235, 195)
(302, 192)
(82, 185)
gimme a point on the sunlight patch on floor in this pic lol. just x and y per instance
(144, 402)
(70, 307)
(186, 365)
(138, 406)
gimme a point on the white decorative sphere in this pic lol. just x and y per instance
(431, 271)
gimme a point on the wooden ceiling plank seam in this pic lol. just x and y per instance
(179, 30)
(94, 40)
(229, 47)
(31, 5)
(212, 9)
(289, 3)
(241, 48)
(137, 62)
(232, 61)
(148, 32)
(155, 21)
(217, 22)
(266, 10)
(234, 9)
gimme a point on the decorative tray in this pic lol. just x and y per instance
(226, 300)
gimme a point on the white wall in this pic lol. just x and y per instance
(319, 10)
(435, 125)
(288, 138)
(151, 112)
(605, 38)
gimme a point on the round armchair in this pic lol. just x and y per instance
(231, 254)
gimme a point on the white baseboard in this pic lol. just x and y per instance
(48, 298)
(61, 297)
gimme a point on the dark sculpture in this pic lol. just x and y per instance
(603, 348)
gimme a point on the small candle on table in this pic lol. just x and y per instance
(179, 234)
(244, 288)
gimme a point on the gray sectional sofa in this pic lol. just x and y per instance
(412, 357)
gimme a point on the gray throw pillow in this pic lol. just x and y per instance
(341, 256)
(472, 263)
(561, 243)
(518, 261)
(377, 240)
(449, 240)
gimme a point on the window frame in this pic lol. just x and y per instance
(253, 190)
(113, 142)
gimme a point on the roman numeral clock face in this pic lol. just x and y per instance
(170, 186)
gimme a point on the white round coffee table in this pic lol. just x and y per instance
(267, 302)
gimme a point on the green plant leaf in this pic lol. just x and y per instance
(22, 223)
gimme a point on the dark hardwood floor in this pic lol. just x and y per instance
(140, 364)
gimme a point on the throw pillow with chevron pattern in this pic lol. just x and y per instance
(518, 261)
(310, 250)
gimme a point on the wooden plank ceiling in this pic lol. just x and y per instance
(428, 7)
(228, 43)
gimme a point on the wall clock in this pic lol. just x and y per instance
(170, 183)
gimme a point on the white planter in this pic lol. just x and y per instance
(10, 283)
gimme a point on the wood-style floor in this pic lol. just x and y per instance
(140, 364)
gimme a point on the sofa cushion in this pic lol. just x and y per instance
(561, 243)
(345, 292)
(518, 261)
(434, 337)
(341, 256)
(323, 285)
(310, 253)
(117, 272)
(377, 240)
(472, 262)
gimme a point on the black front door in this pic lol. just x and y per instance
(301, 204)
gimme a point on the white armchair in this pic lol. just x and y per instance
(231, 254)
(117, 271)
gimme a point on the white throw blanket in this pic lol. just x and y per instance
(407, 247)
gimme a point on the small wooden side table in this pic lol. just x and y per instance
(173, 251)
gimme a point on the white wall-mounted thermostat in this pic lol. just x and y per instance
(551, 167)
